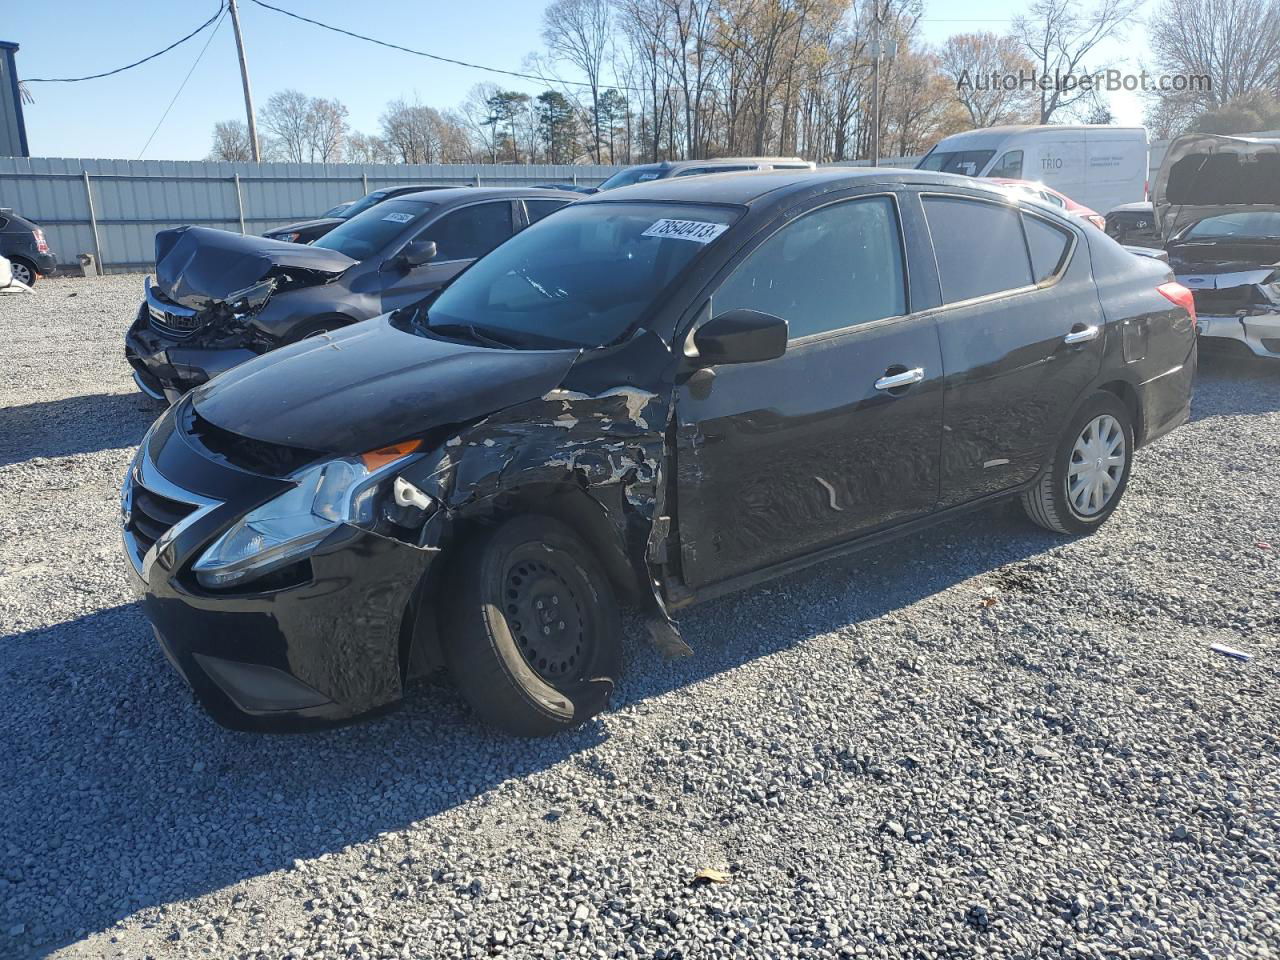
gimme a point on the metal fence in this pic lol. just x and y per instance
(113, 208)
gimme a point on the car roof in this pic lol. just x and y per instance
(752, 187)
(453, 195)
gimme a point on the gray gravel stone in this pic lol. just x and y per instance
(1037, 755)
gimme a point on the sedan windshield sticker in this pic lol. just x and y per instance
(699, 231)
(398, 217)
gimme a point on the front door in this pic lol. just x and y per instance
(835, 438)
(461, 236)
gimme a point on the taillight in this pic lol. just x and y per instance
(40, 244)
(1180, 295)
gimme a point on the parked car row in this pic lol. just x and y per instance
(22, 243)
(470, 425)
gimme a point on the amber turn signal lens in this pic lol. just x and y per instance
(384, 455)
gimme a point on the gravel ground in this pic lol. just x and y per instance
(980, 741)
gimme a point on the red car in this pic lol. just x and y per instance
(1051, 196)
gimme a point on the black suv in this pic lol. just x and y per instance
(657, 395)
(220, 298)
(22, 243)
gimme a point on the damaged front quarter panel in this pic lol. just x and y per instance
(607, 442)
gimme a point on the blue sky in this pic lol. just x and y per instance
(114, 117)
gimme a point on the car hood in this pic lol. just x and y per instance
(197, 267)
(369, 385)
(1205, 175)
(328, 223)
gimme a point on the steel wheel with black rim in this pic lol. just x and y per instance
(1090, 469)
(532, 633)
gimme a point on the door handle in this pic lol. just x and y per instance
(1083, 335)
(904, 379)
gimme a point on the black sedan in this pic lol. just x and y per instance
(23, 244)
(658, 395)
(220, 298)
(307, 231)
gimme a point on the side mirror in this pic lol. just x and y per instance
(740, 336)
(418, 252)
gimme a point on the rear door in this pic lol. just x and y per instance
(1022, 335)
(781, 458)
(461, 235)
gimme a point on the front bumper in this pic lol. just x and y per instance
(1260, 334)
(323, 645)
(168, 367)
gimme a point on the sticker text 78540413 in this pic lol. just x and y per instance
(699, 231)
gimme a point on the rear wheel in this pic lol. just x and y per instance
(532, 635)
(24, 271)
(1090, 469)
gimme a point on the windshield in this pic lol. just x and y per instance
(366, 234)
(625, 178)
(967, 162)
(1256, 224)
(365, 202)
(582, 278)
(339, 210)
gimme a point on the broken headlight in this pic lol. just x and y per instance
(287, 528)
(252, 297)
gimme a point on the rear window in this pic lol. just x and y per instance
(967, 162)
(368, 233)
(979, 247)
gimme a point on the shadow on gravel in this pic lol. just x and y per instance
(121, 794)
(1235, 384)
(85, 424)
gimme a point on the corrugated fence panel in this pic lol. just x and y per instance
(132, 199)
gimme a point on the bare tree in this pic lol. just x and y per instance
(578, 32)
(975, 63)
(1060, 37)
(287, 118)
(368, 148)
(231, 141)
(326, 130)
(1234, 43)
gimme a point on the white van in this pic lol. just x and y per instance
(1098, 166)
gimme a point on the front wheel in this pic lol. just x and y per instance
(1090, 470)
(532, 635)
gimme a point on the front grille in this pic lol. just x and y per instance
(151, 515)
(171, 324)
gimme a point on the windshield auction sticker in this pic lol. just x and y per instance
(398, 217)
(699, 231)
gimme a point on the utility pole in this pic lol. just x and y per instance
(875, 86)
(244, 77)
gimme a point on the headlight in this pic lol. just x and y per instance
(285, 529)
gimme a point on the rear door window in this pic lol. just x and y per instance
(979, 247)
(537, 209)
(470, 232)
(836, 267)
(1010, 165)
(1048, 245)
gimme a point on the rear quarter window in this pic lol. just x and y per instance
(979, 247)
(1048, 244)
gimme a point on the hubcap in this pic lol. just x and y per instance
(21, 273)
(545, 618)
(1097, 465)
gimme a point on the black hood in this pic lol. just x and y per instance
(369, 385)
(197, 266)
(322, 224)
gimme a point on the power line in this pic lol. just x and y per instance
(182, 86)
(136, 63)
(430, 56)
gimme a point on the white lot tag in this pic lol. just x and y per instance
(398, 217)
(699, 231)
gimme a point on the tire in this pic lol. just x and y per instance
(508, 583)
(1104, 424)
(24, 271)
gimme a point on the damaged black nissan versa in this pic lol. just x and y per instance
(658, 395)
(1217, 205)
(220, 298)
